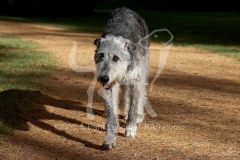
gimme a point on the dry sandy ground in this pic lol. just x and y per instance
(196, 98)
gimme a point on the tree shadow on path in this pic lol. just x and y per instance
(17, 107)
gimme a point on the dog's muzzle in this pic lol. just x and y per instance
(104, 80)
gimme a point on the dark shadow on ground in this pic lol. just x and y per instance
(183, 80)
(21, 106)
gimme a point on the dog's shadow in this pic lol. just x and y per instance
(17, 107)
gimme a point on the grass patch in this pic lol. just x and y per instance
(22, 67)
(5, 130)
(229, 51)
(12, 42)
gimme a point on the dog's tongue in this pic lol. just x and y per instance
(106, 86)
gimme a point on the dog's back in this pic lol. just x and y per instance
(128, 24)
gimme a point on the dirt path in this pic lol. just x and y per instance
(196, 99)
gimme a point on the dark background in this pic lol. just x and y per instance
(69, 8)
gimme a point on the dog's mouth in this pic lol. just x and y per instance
(108, 86)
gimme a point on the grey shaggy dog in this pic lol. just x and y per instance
(121, 58)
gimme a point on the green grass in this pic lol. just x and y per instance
(11, 42)
(22, 64)
(5, 130)
(230, 51)
(22, 67)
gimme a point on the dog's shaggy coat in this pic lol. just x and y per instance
(121, 58)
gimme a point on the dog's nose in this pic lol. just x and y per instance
(104, 79)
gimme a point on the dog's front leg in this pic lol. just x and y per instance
(131, 127)
(137, 97)
(126, 101)
(111, 110)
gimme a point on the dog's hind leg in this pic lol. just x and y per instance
(111, 110)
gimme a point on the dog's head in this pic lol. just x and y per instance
(112, 58)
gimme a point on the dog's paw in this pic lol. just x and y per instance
(109, 142)
(131, 131)
(107, 146)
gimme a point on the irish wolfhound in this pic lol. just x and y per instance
(121, 58)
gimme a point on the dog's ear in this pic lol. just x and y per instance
(97, 41)
(130, 46)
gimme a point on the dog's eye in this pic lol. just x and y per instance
(100, 56)
(115, 58)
